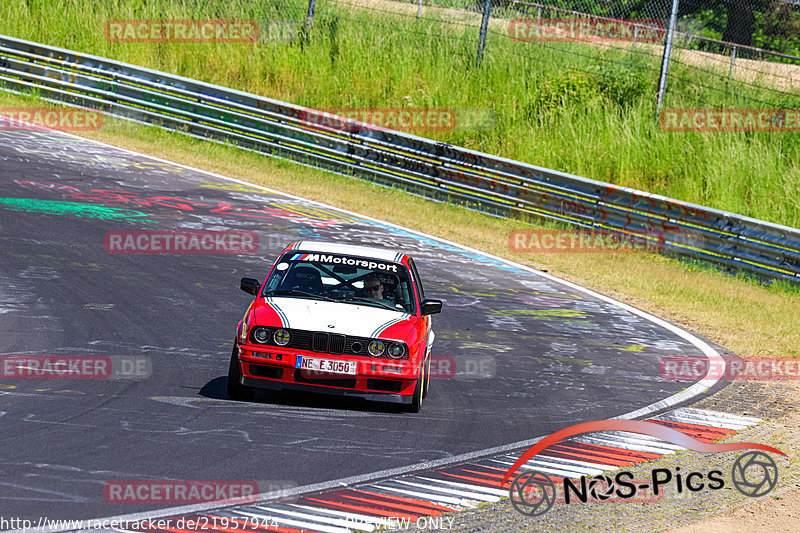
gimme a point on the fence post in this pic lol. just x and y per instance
(419, 8)
(309, 23)
(487, 8)
(733, 62)
(662, 81)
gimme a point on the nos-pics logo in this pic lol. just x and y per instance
(533, 493)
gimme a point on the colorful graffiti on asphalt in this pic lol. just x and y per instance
(69, 150)
(55, 207)
(232, 186)
(300, 214)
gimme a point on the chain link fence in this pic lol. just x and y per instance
(724, 53)
(752, 46)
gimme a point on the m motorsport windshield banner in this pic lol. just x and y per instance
(344, 260)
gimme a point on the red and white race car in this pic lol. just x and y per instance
(339, 319)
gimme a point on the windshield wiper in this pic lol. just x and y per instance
(293, 292)
(369, 301)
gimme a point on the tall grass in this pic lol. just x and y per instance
(569, 106)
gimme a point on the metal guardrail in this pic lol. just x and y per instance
(436, 170)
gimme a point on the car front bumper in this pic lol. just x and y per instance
(375, 380)
(354, 393)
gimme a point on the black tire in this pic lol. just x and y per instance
(427, 378)
(237, 391)
(416, 399)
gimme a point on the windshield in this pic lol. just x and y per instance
(341, 278)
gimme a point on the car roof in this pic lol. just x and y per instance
(383, 254)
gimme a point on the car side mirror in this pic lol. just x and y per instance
(250, 285)
(430, 307)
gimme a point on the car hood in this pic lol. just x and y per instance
(347, 319)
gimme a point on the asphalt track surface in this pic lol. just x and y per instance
(557, 356)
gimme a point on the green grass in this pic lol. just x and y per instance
(567, 106)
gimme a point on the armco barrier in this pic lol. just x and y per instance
(437, 170)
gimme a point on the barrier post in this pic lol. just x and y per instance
(487, 8)
(662, 81)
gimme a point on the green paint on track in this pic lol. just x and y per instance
(54, 207)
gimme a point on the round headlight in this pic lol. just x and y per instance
(282, 337)
(261, 335)
(395, 350)
(375, 348)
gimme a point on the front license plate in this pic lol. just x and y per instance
(326, 365)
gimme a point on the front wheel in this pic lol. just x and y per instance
(237, 391)
(419, 391)
(427, 378)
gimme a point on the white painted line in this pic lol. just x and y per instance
(575, 462)
(433, 498)
(626, 445)
(472, 495)
(422, 501)
(708, 422)
(544, 469)
(538, 462)
(705, 422)
(316, 518)
(587, 464)
(290, 522)
(432, 494)
(647, 440)
(352, 516)
(544, 460)
(477, 488)
(634, 444)
(719, 415)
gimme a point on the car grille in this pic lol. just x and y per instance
(332, 343)
(300, 339)
(336, 343)
(320, 342)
